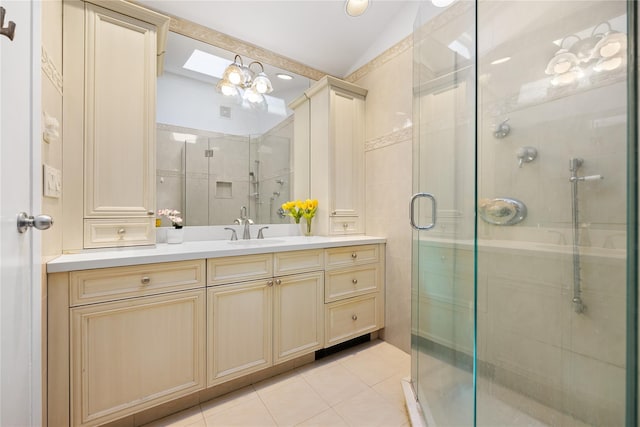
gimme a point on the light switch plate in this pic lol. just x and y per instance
(52, 184)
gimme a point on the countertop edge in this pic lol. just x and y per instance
(122, 257)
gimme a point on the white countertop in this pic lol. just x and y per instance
(163, 252)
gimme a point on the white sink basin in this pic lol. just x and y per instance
(255, 242)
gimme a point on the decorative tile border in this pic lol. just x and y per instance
(396, 137)
(49, 69)
(453, 12)
(386, 56)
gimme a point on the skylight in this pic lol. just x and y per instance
(206, 63)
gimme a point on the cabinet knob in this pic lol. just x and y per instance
(354, 255)
(345, 225)
(145, 280)
(354, 317)
(121, 231)
(354, 281)
(150, 213)
(278, 282)
(270, 283)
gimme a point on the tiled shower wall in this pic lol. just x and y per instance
(211, 190)
(388, 163)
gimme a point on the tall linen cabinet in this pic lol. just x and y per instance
(329, 154)
(110, 62)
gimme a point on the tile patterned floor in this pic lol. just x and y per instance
(359, 386)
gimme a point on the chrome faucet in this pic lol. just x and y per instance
(246, 221)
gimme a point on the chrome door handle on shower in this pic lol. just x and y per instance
(412, 210)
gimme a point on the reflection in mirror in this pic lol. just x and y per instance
(216, 154)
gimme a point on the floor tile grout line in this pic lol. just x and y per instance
(273, 418)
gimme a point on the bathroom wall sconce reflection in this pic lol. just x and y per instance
(600, 52)
(242, 82)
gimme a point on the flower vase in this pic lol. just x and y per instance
(175, 235)
(305, 227)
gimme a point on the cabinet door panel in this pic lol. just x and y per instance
(119, 115)
(298, 315)
(130, 355)
(239, 330)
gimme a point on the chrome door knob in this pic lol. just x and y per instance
(41, 222)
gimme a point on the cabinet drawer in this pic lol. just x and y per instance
(298, 262)
(103, 233)
(343, 225)
(340, 284)
(351, 255)
(106, 284)
(239, 268)
(353, 317)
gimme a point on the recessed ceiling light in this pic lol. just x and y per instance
(501, 60)
(442, 3)
(284, 76)
(356, 7)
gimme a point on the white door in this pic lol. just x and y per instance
(20, 190)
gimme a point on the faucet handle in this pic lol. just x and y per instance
(234, 235)
(260, 235)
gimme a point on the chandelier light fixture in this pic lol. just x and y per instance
(242, 81)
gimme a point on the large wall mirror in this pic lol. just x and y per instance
(216, 154)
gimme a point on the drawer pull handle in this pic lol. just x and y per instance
(278, 282)
(354, 281)
(354, 255)
(354, 317)
(270, 283)
(150, 213)
(145, 280)
(121, 231)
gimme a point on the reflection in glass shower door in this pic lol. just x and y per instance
(443, 291)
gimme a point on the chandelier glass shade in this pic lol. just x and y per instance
(242, 82)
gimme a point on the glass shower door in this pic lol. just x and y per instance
(552, 333)
(443, 294)
(519, 290)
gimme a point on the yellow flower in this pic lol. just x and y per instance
(298, 208)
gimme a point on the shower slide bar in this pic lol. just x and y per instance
(574, 165)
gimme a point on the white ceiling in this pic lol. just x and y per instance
(317, 33)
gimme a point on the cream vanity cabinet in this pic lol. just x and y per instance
(329, 120)
(124, 339)
(110, 60)
(354, 292)
(262, 310)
